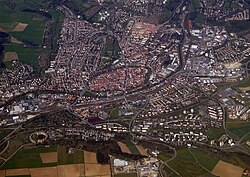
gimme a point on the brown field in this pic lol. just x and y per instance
(44, 172)
(2, 173)
(141, 150)
(9, 56)
(15, 41)
(2, 30)
(124, 148)
(20, 27)
(16, 172)
(72, 170)
(106, 176)
(90, 157)
(224, 169)
(97, 170)
(244, 89)
(48, 157)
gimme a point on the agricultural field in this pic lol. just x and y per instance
(64, 158)
(192, 169)
(24, 54)
(14, 144)
(26, 24)
(29, 158)
(37, 162)
(239, 128)
(4, 133)
(206, 160)
(224, 169)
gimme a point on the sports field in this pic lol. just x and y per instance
(224, 169)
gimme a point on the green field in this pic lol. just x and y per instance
(215, 133)
(206, 160)
(65, 158)
(186, 165)
(29, 158)
(131, 147)
(4, 133)
(10, 16)
(15, 143)
(25, 55)
(238, 128)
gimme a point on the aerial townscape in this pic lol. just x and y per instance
(124, 88)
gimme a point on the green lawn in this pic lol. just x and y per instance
(4, 133)
(238, 128)
(215, 133)
(29, 158)
(65, 158)
(114, 113)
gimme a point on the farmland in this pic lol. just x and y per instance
(239, 128)
(26, 24)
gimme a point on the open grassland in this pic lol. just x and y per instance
(224, 169)
(29, 158)
(215, 133)
(185, 159)
(4, 133)
(185, 164)
(206, 160)
(24, 54)
(15, 144)
(64, 158)
(238, 128)
(22, 25)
